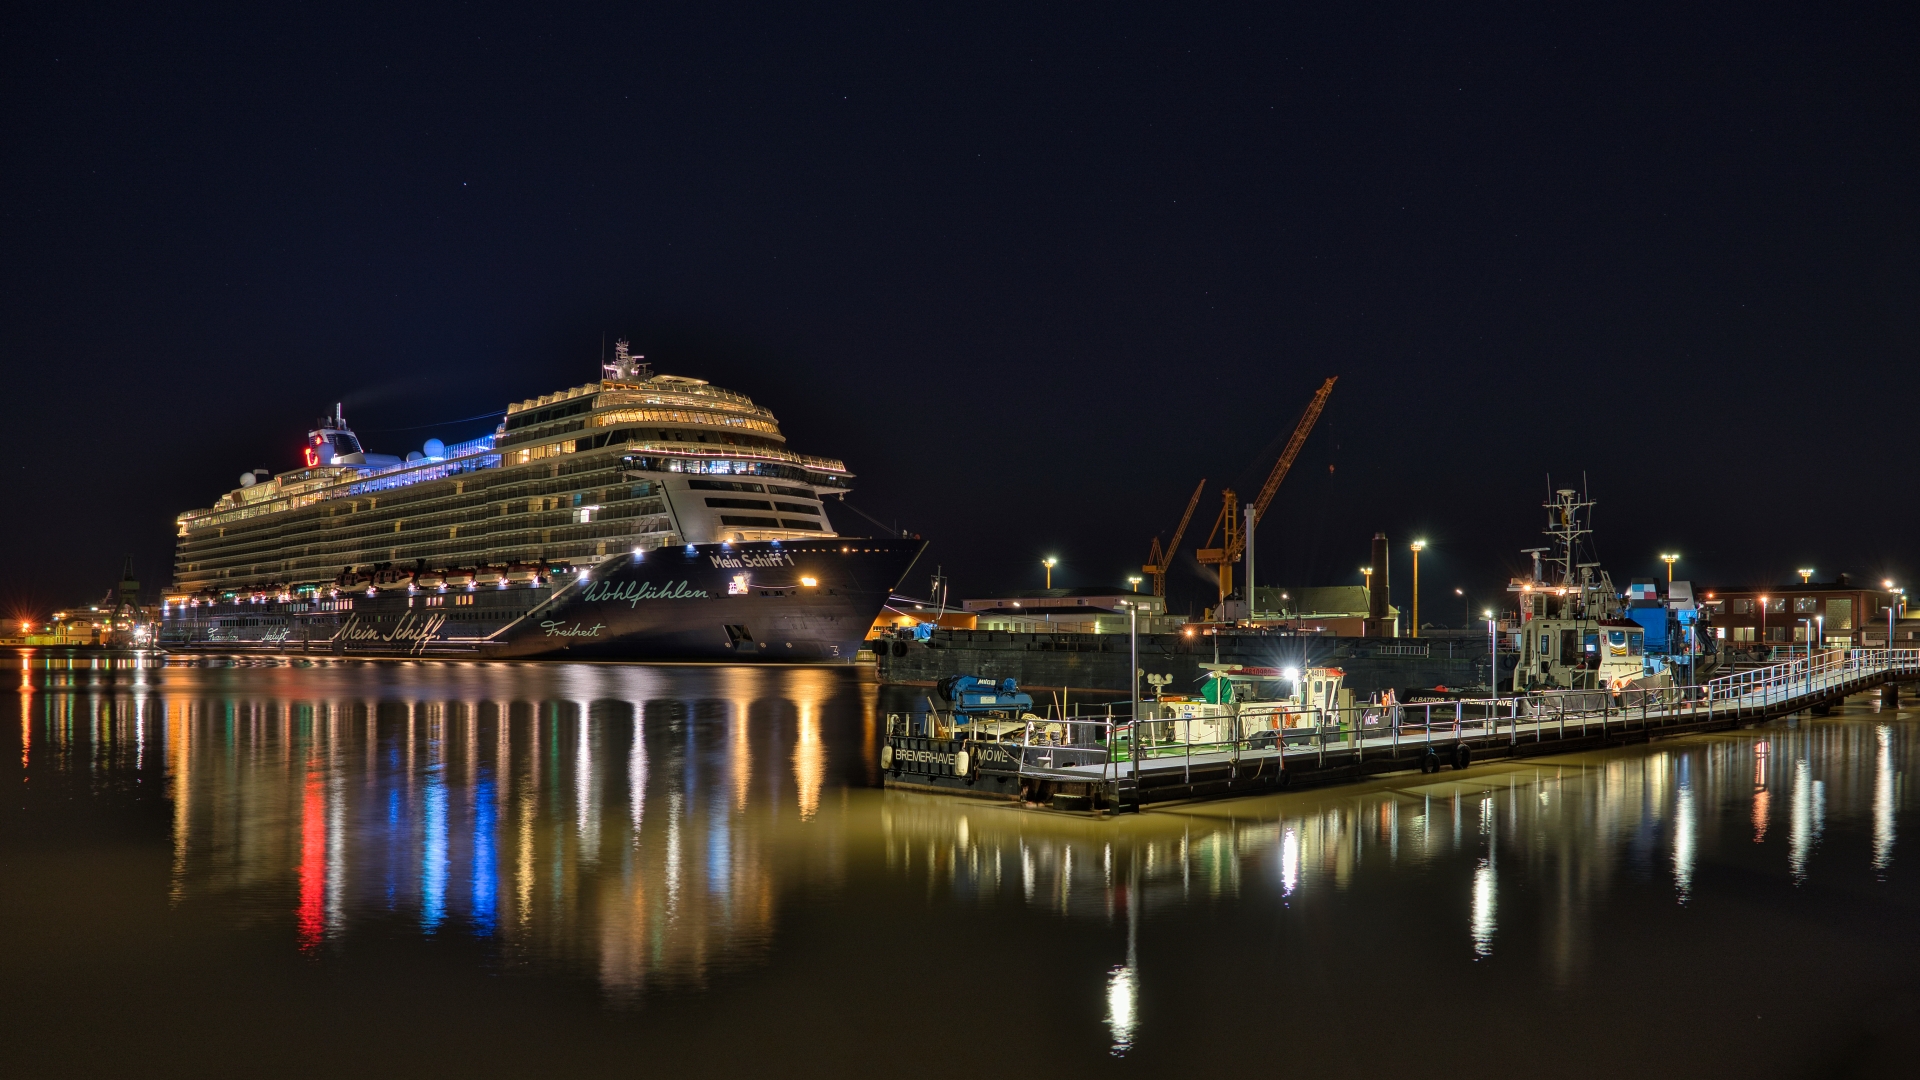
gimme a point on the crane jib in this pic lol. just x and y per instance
(1227, 527)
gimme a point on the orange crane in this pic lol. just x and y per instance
(1159, 560)
(1226, 528)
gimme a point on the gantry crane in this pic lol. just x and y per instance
(1158, 560)
(1226, 528)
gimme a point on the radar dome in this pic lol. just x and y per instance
(435, 448)
(247, 480)
(413, 455)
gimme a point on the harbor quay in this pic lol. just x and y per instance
(1099, 662)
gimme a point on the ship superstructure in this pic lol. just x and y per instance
(1578, 632)
(582, 478)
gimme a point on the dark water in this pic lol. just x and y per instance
(468, 870)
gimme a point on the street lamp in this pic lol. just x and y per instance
(1135, 582)
(1806, 576)
(1049, 562)
(1418, 546)
(1493, 654)
(1669, 560)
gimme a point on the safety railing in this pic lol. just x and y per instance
(1808, 675)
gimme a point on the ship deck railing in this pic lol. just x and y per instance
(1107, 746)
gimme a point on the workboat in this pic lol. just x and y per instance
(982, 738)
(1576, 631)
(970, 739)
(639, 517)
(1259, 704)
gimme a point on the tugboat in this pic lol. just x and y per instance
(1577, 632)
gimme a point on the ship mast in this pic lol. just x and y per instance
(1585, 589)
(626, 367)
(1565, 529)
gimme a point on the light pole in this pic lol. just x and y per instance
(1806, 576)
(1367, 572)
(1049, 562)
(1135, 582)
(1418, 546)
(1669, 560)
(1763, 622)
(1247, 534)
(1133, 655)
(1466, 608)
(1809, 623)
(1493, 654)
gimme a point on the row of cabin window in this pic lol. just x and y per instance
(1777, 605)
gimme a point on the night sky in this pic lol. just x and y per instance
(1031, 274)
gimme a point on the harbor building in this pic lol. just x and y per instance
(1332, 610)
(1095, 610)
(1838, 613)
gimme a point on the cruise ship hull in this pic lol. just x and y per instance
(799, 601)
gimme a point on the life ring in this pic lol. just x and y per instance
(886, 756)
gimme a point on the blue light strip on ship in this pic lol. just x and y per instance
(466, 457)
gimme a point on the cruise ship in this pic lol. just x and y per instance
(640, 517)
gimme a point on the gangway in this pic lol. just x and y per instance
(1107, 760)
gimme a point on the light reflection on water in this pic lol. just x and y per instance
(649, 829)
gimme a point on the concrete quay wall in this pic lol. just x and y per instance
(1098, 662)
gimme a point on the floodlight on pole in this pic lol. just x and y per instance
(1493, 655)
(1418, 546)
